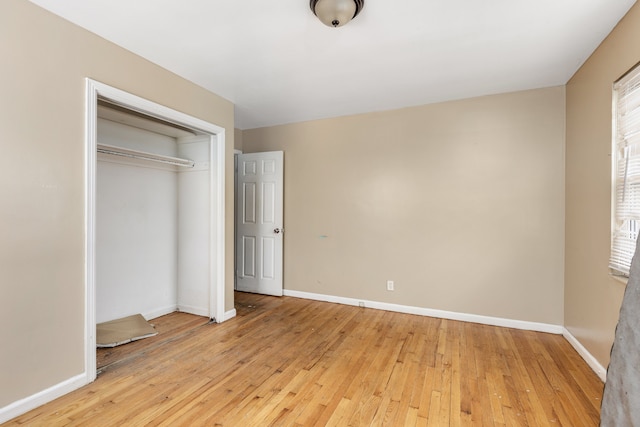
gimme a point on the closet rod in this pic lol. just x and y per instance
(134, 154)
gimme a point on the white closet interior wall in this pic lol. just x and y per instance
(152, 223)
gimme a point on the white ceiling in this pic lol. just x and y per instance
(279, 64)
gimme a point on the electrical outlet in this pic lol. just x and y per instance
(389, 285)
(361, 304)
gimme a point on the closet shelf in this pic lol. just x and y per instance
(135, 154)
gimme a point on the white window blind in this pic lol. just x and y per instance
(626, 171)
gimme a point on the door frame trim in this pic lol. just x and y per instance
(236, 152)
(94, 90)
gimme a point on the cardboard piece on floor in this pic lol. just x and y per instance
(122, 331)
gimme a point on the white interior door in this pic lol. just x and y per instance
(259, 222)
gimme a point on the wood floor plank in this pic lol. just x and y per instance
(293, 362)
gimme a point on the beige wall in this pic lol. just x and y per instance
(42, 90)
(460, 203)
(592, 296)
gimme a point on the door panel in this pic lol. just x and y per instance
(249, 260)
(249, 197)
(259, 222)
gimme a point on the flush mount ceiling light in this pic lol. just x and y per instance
(336, 13)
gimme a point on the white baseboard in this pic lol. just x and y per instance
(198, 311)
(22, 406)
(584, 353)
(159, 312)
(474, 318)
(229, 315)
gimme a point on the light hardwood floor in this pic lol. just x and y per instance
(293, 362)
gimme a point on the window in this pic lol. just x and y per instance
(626, 171)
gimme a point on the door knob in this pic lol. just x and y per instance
(276, 230)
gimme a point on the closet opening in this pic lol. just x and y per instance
(155, 214)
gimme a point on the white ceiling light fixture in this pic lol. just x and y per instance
(336, 13)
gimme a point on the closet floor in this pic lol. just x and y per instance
(170, 327)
